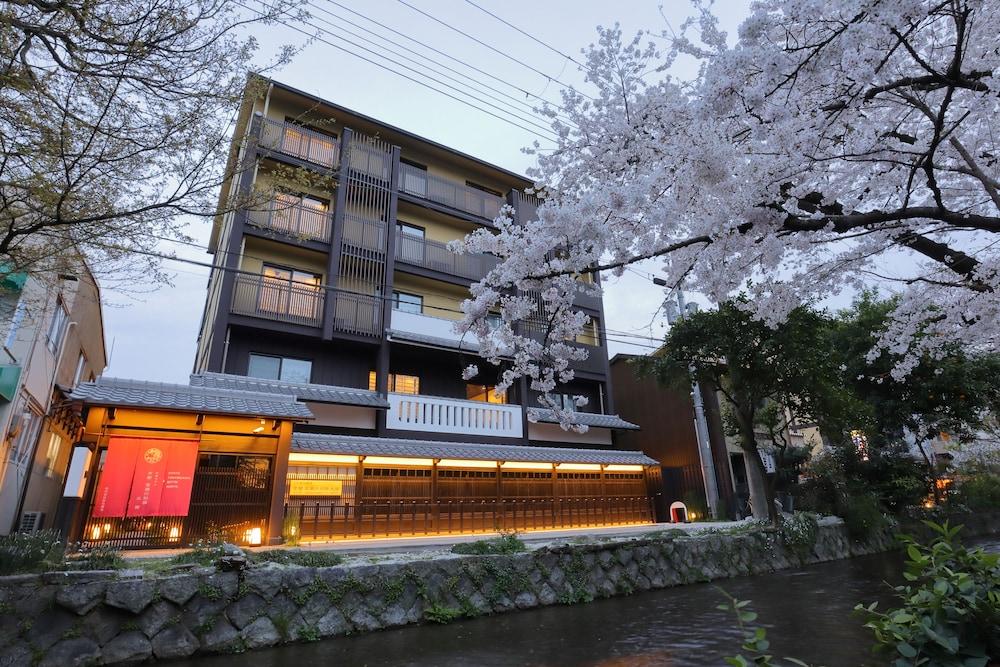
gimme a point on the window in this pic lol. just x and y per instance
(408, 303)
(413, 231)
(483, 188)
(52, 454)
(81, 363)
(299, 215)
(288, 369)
(290, 292)
(413, 177)
(57, 327)
(565, 402)
(15, 323)
(410, 242)
(484, 392)
(494, 320)
(400, 384)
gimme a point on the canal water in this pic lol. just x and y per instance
(807, 613)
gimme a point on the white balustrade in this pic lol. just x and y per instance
(426, 325)
(409, 412)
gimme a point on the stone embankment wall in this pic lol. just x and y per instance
(85, 618)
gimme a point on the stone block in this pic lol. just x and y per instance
(260, 633)
(243, 611)
(127, 648)
(15, 655)
(174, 641)
(76, 652)
(80, 598)
(179, 588)
(131, 595)
(221, 637)
(265, 580)
(362, 620)
(525, 600)
(156, 616)
(332, 624)
(105, 622)
(50, 627)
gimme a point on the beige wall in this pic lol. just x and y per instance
(440, 299)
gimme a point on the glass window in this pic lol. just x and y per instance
(484, 392)
(565, 402)
(81, 363)
(57, 327)
(400, 384)
(52, 454)
(15, 323)
(408, 303)
(288, 369)
(410, 230)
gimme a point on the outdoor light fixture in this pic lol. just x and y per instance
(580, 467)
(259, 429)
(622, 468)
(526, 465)
(95, 533)
(175, 534)
(397, 461)
(253, 536)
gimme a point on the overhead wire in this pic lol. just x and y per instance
(298, 29)
(474, 80)
(491, 47)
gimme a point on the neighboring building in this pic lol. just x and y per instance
(341, 296)
(53, 339)
(668, 434)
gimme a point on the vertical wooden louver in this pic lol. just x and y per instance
(364, 243)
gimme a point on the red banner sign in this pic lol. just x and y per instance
(146, 477)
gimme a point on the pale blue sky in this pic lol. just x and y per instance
(154, 338)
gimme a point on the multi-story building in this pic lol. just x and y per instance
(351, 283)
(333, 287)
(53, 339)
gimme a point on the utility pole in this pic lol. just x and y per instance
(675, 313)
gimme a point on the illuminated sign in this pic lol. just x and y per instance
(315, 487)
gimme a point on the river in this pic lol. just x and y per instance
(807, 612)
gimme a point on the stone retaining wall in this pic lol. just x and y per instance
(84, 618)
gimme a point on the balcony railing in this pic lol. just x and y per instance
(359, 314)
(408, 412)
(258, 296)
(435, 255)
(295, 220)
(419, 183)
(426, 325)
(300, 142)
(364, 232)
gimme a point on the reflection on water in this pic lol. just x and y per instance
(808, 614)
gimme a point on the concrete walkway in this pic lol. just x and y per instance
(383, 545)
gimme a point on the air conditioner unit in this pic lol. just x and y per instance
(31, 522)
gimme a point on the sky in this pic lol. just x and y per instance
(153, 336)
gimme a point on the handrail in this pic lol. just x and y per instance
(436, 255)
(418, 182)
(259, 296)
(295, 220)
(300, 142)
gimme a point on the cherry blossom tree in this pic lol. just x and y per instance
(829, 144)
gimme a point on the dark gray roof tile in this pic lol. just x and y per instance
(318, 393)
(586, 418)
(371, 446)
(165, 396)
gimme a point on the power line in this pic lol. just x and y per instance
(432, 60)
(529, 36)
(400, 74)
(491, 47)
(463, 90)
(446, 55)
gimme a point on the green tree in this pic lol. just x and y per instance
(952, 391)
(768, 377)
(114, 118)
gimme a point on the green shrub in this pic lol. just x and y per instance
(96, 558)
(864, 516)
(979, 489)
(306, 558)
(201, 553)
(798, 532)
(950, 612)
(439, 613)
(30, 552)
(506, 543)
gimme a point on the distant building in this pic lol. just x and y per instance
(53, 339)
(666, 420)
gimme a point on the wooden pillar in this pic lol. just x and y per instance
(275, 525)
(359, 483)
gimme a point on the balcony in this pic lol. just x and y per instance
(408, 412)
(279, 300)
(435, 255)
(299, 142)
(425, 325)
(419, 183)
(357, 314)
(294, 220)
(364, 232)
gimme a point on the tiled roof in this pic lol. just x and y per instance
(466, 345)
(586, 418)
(164, 396)
(319, 393)
(369, 446)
